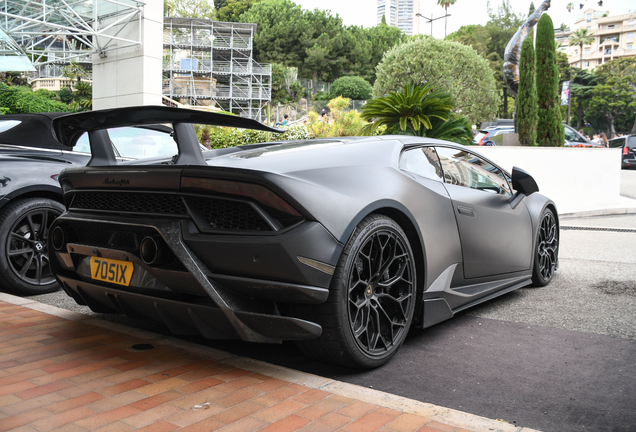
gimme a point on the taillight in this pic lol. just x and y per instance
(278, 208)
(625, 151)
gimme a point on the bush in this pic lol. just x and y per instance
(449, 66)
(221, 137)
(22, 100)
(352, 87)
(65, 95)
(527, 96)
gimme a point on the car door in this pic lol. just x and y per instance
(495, 237)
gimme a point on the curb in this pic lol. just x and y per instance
(599, 212)
(445, 415)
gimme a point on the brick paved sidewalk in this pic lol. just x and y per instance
(73, 373)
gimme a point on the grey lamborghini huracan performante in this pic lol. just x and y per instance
(339, 244)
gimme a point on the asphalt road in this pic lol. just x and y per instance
(559, 358)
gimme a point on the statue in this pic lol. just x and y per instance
(513, 49)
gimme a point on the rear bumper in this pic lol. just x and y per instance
(218, 286)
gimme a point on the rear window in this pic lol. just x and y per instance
(479, 136)
(631, 141)
(5, 125)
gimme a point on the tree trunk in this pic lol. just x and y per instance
(610, 124)
(579, 113)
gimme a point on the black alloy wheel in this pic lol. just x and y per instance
(24, 236)
(371, 301)
(547, 252)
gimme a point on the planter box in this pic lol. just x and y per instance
(576, 179)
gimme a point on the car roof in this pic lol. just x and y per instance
(34, 130)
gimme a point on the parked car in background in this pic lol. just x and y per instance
(485, 135)
(340, 244)
(31, 159)
(574, 139)
(627, 144)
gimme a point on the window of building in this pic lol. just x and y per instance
(610, 26)
(589, 18)
(630, 23)
(629, 47)
(589, 28)
(607, 51)
(587, 64)
(630, 36)
(587, 52)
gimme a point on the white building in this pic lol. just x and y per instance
(614, 35)
(401, 14)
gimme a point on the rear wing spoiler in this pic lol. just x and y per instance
(70, 127)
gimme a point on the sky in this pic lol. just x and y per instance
(463, 12)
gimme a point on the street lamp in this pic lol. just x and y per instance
(431, 19)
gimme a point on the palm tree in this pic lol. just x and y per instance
(570, 8)
(581, 37)
(445, 4)
(410, 111)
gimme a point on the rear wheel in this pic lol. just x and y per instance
(547, 250)
(24, 235)
(371, 301)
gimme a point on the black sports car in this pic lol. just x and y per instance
(30, 195)
(339, 244)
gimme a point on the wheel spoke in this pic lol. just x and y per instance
(26, 266)
(21, 238)
(38, 269)
(22, 251)
(31, 226)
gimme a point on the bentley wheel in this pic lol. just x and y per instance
(547, 250)
(24, 235)
(372, 298)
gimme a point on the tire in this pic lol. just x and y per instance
(546, 258)
(24, 262)
(371, 298)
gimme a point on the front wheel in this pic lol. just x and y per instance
(24, 235)
(371, 300)
(547, 250)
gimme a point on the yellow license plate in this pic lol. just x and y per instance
(112, 271)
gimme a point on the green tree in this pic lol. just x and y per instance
(615, 95)
(475, 36)
(75, 71)
(581, 37)
(82, 97)
(549, 127)
(65, 95)
(352, 87)
(445, 4)
(281, 25)
(191, 8)
(382, 37)
(409, 111)
(527, 95)
(446, 65)
(233, 9)
(581, 89)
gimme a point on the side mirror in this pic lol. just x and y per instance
(523, 182)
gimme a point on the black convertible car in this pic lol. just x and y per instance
(339, 244)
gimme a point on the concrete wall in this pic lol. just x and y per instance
(132, 76)
(576, 179)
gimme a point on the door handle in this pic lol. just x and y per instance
(466, 211)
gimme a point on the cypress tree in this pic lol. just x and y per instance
(549, 127)
(527, 95)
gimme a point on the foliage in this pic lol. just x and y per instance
(222, 137)
(449, 66)
(581, 37)
(231, 10)
(456, 129)
(316, 42)
(45, 93)
(614, 98)
(65, 95)
(409, 111)
(527, 95)
(352, 87)
(285, 89)
(21, 100)
(475, 36)
(581, 89)
(74, 71)
(549, 127)
(341, 123)
(82, 97)
(191, 8)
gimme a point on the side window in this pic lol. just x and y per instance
(465, 169)
(5, 125)
(423, 162)
(618, 142)
(82, 145)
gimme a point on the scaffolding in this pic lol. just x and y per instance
(210, 63)
(54, 33)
